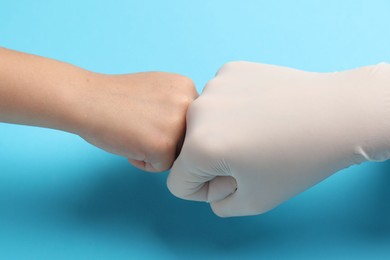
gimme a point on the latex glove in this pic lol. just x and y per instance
(260, 134)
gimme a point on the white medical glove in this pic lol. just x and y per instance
(260, 134)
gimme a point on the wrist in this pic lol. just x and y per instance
(77, 99)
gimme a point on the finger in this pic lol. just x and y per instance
(230, 206)
(159, 166)
(149, 167)
(137, 163)
(227, 68)
(185, 184)
(240, 203)
(220, 187)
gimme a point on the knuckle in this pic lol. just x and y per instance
(186, 91)
(211, 84)
(231, 65)
(184, 101)
(185, 82)
(188, 82)
(197, 108)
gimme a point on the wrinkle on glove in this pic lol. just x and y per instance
(260, 134)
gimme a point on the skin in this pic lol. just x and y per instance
(140, 116)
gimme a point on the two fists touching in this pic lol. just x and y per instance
(258, 134)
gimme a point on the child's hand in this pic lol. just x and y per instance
(140, 116)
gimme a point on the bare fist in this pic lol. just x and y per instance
(140, 116)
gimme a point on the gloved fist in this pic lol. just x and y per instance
(260, 134)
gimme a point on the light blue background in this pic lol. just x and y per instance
(61, 198)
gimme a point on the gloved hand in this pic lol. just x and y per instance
(260, 134)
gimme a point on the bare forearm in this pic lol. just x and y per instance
(140, 116)
(39, 91)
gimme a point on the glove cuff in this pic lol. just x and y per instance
(375, 146)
